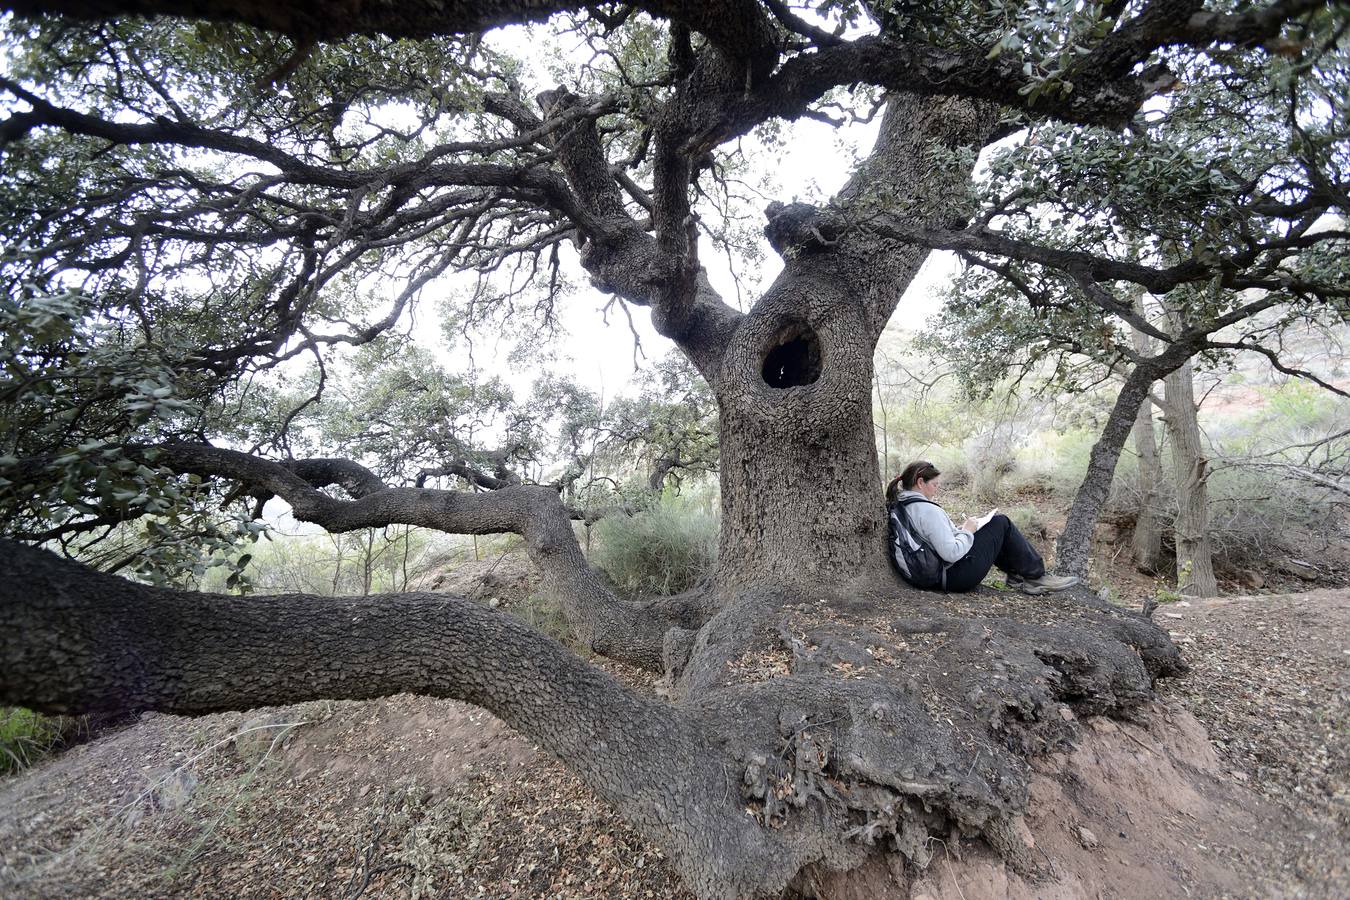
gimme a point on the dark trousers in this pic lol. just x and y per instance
(998, 543)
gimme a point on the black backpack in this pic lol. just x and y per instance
(913, 557)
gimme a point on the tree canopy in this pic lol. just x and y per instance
(219, 216)
(197, 201)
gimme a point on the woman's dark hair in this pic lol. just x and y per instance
(910, 477)
(920, 470)
(893, 490)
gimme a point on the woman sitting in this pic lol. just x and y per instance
(971, 550)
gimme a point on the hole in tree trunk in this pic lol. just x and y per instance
(795, 359)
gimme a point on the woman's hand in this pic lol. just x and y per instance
(971, 524)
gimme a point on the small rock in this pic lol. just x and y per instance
(1066, 714)
(1087, 838)
(174, 790)
(1299, 569)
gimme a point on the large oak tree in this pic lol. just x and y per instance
(190, 203)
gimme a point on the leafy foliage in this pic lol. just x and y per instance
(75, 386)
(669, 547)
(26, 737)
(1236, 170)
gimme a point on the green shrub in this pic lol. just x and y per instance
(26, 737)
(665, 549)
(1057, 460)
(1256, 513)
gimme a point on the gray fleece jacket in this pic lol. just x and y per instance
(936, 527)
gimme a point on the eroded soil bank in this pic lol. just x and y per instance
(412, 797)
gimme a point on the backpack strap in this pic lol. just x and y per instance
(908, 501)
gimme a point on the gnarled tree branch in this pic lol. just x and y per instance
(631, 632)
(74, 640)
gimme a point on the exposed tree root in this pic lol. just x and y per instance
(808, 733)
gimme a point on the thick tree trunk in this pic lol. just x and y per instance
(801, 488)
(816, 730)
(73, 640)
(1190, 467)
(801, 495)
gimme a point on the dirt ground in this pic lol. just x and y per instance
(418, 798)
(1271, 684)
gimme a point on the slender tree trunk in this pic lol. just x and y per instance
(367, 561)
(335, 587)
(1190, 467)
(885, 426)
(1074, 547)
(403, 559)
(1075, 543)
(1147, 537)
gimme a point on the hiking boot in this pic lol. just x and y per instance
(1046, 584)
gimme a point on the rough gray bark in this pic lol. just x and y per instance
(1190, 468)
(770, 766)
(801, 503)
(1074, 546)
(77, 641)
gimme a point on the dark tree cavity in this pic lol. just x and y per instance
(198, 204)
(794, 359)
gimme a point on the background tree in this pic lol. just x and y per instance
(195, 205)
(1146, 536)
(1195, 558)
(1223, 209)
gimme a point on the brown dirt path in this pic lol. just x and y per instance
(1271, 685)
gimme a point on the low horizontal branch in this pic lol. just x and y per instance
(73, 640)
(615, 628)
